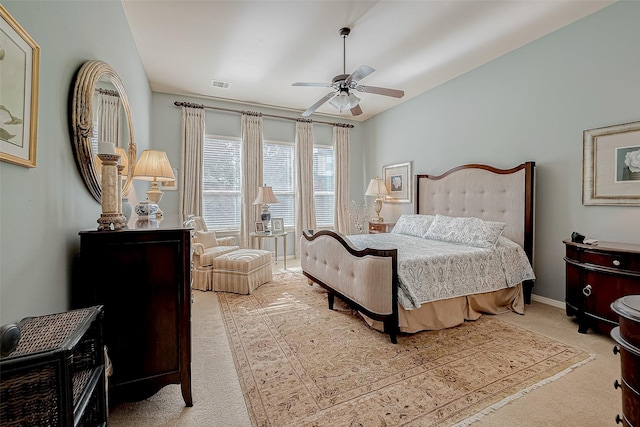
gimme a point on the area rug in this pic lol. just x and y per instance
(301, 364)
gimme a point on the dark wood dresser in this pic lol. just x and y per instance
(596, 276)
(142, 277)
(627, 335)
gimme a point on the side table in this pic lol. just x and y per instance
(380, 227)
(273, 236)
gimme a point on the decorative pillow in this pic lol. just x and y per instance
(468, 231)
(207, 238)
(413, 225)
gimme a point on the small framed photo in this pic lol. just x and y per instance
(277, 225)
(259, 227)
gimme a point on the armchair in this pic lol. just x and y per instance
(206, 247)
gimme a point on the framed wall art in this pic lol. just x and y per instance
(398, 179)
(20, 60)
(611, 165)
(172, 184)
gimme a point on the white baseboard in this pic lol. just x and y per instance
(548, 301)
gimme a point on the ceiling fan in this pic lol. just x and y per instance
(342, 97)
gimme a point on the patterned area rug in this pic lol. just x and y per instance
(301, 364)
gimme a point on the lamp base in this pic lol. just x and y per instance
(378, 207)
(265, 217)
(155, 195)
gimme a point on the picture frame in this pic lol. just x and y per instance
(170, 185)
(399, 181)
(277, 225)
(611, 165)
(259, 227)
(19, 97)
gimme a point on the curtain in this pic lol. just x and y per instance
(108, 118)
(341, 153)
(305, 204)
(251, 155)
(191, 171)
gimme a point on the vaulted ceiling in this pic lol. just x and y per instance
(262, 47)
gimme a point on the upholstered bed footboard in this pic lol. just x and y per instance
(366, 279)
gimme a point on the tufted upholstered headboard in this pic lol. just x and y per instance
(474, 190)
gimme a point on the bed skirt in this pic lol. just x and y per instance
(454, 311)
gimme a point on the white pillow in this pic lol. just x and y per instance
(207, 238)
(413, 225)
(468, 231)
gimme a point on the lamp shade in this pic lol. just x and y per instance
(376, 187)
(265, 196)
(344, 101)
(153, 165)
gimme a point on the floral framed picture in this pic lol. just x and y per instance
(611, 165)
(398, 179)
(19, 95)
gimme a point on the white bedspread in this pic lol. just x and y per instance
(430, 270)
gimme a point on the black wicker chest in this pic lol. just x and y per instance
(56, 376)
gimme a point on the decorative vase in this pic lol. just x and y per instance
(146, 209)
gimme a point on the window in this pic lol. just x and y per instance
(222, 180)
(221, 183)
(323, 185)
(277, 172)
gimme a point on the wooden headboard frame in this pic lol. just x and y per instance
(486, 192)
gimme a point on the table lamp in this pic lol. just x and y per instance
(265, 197)
(377, 188)
(154, 165)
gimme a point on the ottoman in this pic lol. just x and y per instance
(241, 271)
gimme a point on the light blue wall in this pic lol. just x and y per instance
(531, 104)
(42, 209)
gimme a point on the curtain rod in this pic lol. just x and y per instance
(108, 92)
(188, 104)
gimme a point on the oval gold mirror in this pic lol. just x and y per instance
(97, 85)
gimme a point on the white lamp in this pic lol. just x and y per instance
(151, 166)
(265, 197)
(377, 188)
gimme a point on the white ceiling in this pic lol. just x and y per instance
(262, 47)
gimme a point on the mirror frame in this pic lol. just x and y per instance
(82, 124)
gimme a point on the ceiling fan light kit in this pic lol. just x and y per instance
(341, 97)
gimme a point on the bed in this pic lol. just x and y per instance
(478, 223)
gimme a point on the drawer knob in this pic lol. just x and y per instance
(616, 350)
(587, 290)
(618, 419)
(616, 263)
(617, 385)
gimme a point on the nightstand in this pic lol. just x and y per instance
(380, 227)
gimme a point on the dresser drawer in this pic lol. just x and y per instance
(618, 261)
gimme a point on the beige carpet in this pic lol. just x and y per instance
(301, 364)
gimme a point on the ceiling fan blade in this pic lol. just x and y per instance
(315, 106)
(311, 84)
(359, 74)
(396, 93)
(356, 111)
